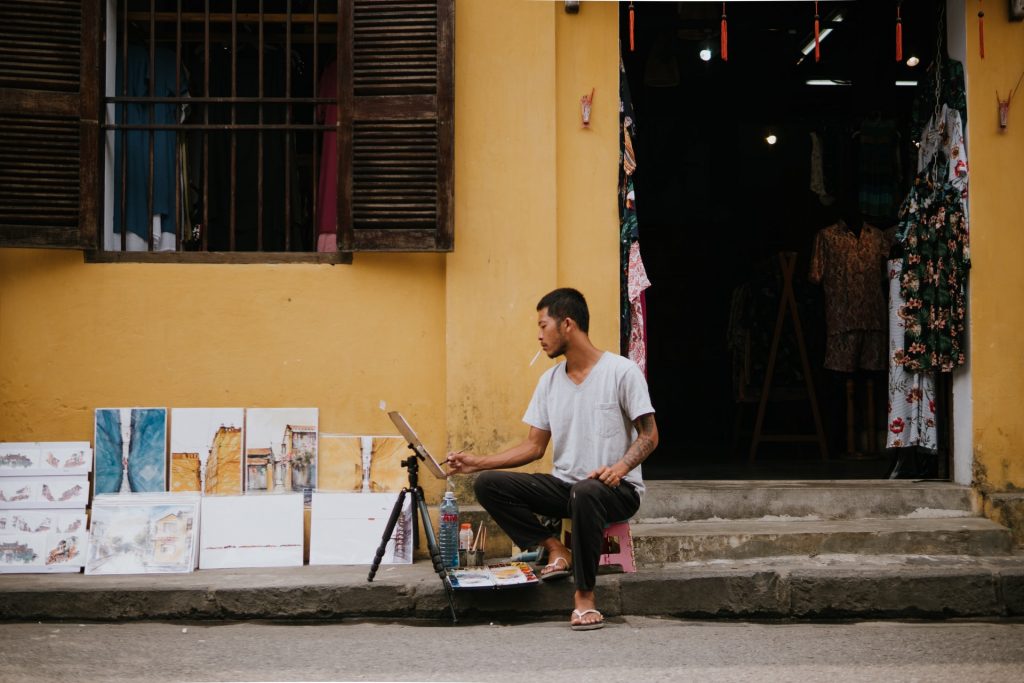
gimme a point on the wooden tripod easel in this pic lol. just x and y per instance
(787, 301)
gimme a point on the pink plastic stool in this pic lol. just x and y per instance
(616, 548)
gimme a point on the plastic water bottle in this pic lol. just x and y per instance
(449, 536)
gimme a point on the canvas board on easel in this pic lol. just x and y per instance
(346, 528)
(254, 530)
(361, 463)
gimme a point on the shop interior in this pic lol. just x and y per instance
(724, 187)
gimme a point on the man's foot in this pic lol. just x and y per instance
(586, 620)
(558, 568)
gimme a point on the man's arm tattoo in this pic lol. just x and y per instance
(644, 443)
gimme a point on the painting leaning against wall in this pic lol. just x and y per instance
(131, 450)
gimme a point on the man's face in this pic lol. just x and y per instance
(551, 333)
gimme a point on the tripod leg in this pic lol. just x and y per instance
(388, 530)
(434, 550)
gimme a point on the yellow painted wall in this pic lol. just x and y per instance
(445, 338)
(996, 160)
(75, 336)
(535, 201)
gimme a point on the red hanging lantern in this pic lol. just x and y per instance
(632, 28)
(817, 27)
(899, 34)
(725, 36)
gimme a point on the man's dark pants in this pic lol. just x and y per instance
(514, 499)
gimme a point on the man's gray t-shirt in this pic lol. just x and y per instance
(591, 423)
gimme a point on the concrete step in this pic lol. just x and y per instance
(826, 586)
(667, 542)
(833, 499)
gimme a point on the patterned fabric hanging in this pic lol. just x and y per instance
(933, 278)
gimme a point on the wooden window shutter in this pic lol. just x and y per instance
(49, 130)
(396, 102)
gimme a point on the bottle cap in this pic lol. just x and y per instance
(449, 495)
(466, 526)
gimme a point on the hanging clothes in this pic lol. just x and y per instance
(911, 405)
(933, 276)
(638, 283)
(936, 253)
(632, 276)
(327, 195)
(136, 174)
(851, 269)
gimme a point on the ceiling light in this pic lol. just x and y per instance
(913, 61)
(771, 139)
(809, 47)
(827, 81)
(705, 55)
(906, 84)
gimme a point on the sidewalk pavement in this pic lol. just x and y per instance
(826, 586)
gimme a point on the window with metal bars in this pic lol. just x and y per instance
(235, 130)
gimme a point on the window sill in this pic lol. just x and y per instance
(243, 257)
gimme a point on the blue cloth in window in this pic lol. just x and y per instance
(137, 176)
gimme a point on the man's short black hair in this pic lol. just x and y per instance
(567, 303)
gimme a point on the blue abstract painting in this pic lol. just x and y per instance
(131, 450)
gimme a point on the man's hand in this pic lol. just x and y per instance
(460, 462)
(610, 476)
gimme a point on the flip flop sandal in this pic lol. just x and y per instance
(587, 626)
(558, 569)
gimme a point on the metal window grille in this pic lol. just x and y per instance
(217, 121)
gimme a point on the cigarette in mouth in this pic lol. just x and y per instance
(535, 357)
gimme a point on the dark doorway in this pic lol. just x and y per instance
(716, 204)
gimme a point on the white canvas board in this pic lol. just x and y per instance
(45, 458)
(346, 528)
(143, 534)
(41, 521)
(19, 458)
(215, 438)
(65, 457)
(22, 552)
(42, 541)
(281, 447)
(255, 530)
(44, 492)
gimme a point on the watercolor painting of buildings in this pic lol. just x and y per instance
(369, 464)
(131, 450)
(44, 492)
(42, 541)
(254, 530)
(281, 449)
(206, 450)
(139, 536)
